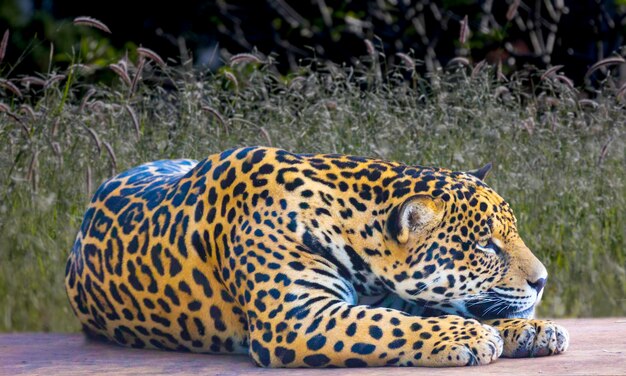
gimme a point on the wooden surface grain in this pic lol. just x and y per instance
(598, 347)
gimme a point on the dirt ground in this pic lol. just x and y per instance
(598, 347)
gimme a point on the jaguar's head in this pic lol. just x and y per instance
(456, 247)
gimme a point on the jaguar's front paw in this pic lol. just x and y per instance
(471, 345)
(529, 338)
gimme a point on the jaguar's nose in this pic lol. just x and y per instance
(538, 284)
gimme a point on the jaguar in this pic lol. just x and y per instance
(309, 260)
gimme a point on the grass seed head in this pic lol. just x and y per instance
(369, 46)
(148, 53)
(112, 157)
(120, 70)
(11, 87)
(137, 77)
(56, 148)
(231, 77)
(30, 80)
(215, 113)
(53, 79)
(588, 103)
(550, 72)
(464, 30)
(478, 68)
(3, 45)
(406, 60)
(95, 139)
(24, 108)
(134, 119)
(615, 60)
(604, 151)
(91, 22)
(459, 60)
(88, 180)
(86, 98)
(244, 58)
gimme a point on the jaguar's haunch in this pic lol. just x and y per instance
(309, 260)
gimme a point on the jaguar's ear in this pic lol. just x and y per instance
(482, 172)
(416, 215)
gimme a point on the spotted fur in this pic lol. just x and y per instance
(308, 261)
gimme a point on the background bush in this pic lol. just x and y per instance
(559, 160)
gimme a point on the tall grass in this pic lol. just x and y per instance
(559, 160)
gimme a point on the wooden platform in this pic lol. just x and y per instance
(598, 347)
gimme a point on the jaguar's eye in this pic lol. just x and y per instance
(487, 246)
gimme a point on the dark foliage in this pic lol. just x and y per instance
(574, 33)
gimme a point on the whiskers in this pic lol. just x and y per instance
(483, 296)
(486, 304)
(482, 305)
(498, 307)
